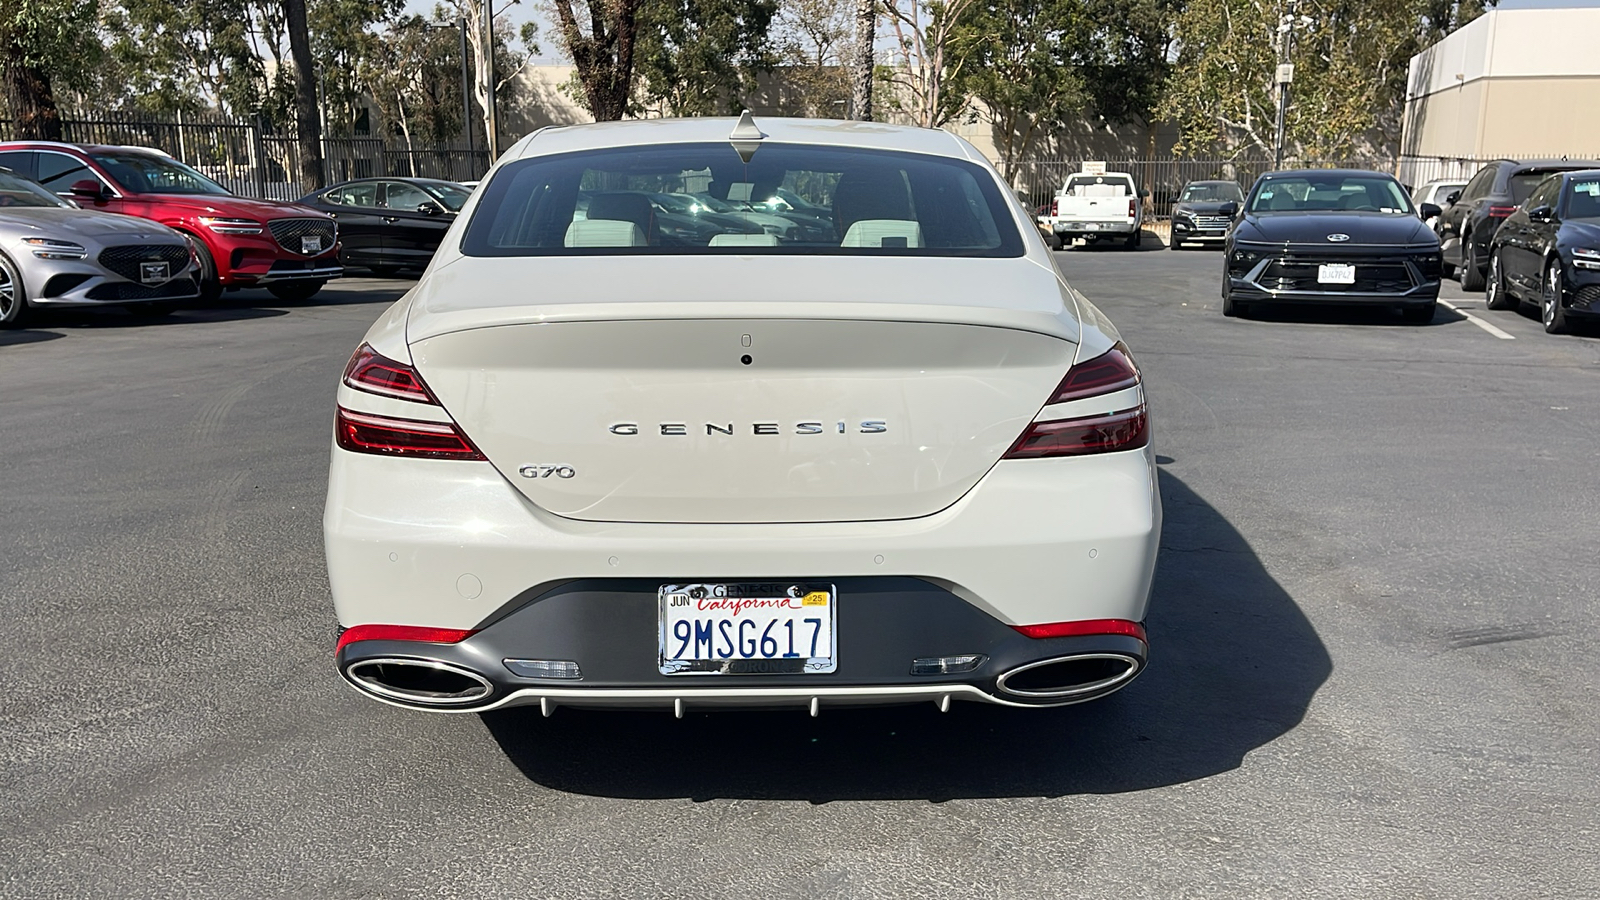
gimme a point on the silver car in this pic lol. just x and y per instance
(55, 254)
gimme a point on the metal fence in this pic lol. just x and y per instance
(251, 159)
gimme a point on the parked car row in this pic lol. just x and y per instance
(91, 225)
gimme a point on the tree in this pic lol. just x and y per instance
(308, 124)
(197, 55)
(1017, 62)
(815, 39)
(861, 62)
(41, 42)
(601, 47)
(923, 30)
(1126, 67)
(488, 62)
(699, 57)
(1349, 78)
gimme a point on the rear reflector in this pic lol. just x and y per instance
(1085, 627)
(1500, 212)
(366, 433)
(1125, 430)
(402, 633)
(1113, 370)
(375, 373)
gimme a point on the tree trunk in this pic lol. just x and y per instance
(33, 105)
(307, 124)
(604, 56)
(861, 66)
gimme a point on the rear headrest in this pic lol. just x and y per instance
(864, 194)
(883, 233)
(603, 233)
(744, 240)
(1281, 200)
(633, 208)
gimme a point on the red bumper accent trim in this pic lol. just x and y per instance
(1087, 626)
(402, 633)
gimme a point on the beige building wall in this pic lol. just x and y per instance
(1521, 82)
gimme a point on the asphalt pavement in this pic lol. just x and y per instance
(1372, 672)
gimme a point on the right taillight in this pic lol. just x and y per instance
(1126, 429)
(385, 436)
(1055, 207)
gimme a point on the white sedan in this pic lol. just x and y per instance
(599, 460)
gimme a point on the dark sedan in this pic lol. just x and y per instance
(1331, 236)
(1548, 252)
(389, 224)
(1468, 223)
(1198, 216)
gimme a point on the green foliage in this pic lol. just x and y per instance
(1125, 63)
(49, 35)
(1349, 78)
(191, 56)
(701, 57)
(1018, 58)
(342, 40)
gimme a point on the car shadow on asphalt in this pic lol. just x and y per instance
(1234, 665)
(27, 336)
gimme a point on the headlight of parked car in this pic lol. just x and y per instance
(49, 248)
(1242, 261)
(1586, 258)
(223, 225)
(1429, 264)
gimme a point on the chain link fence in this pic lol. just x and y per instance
(253, 160)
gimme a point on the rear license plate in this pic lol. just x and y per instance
(312, 244)
(749, 628)
(1336, 273)
(1091, 226)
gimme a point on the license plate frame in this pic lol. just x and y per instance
(1091, 226)
(311, 244)
(156, 273)
(704, 606)
(1336, 273)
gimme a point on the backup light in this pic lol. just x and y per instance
(384, 436)
(545, 668)
(946, 665)
(371, 371)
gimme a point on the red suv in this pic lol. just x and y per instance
(288, 249)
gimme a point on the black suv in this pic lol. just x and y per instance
(1468, 224)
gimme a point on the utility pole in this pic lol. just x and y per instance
(1285, 74)
(466, 85)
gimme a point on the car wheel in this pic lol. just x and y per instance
(1551, 312)
(1132, 242)
(1234, 308)
(1174, 242)
(14, 309)
(1418, 315)
(295, 290)
(1471, 271)
(1495, 293)
(210, 286)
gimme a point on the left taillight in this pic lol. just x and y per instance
(371, 371)
(1126, 429)
(366, 433)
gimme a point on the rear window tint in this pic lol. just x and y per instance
(1521, 184)
(788, 199)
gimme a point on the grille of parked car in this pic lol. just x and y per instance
(1371, 278)
(125, 260)
(1210, 222)
(289, 232)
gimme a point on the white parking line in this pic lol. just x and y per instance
(1477, 321)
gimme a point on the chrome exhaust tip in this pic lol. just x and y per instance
(1068, 679)
(418, 682)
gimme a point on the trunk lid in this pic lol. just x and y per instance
(889, 406)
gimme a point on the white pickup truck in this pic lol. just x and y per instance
(1093, 206)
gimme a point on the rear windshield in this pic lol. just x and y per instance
(1521, 184)
(1330, 193)
(703, 199)
(1098, 186)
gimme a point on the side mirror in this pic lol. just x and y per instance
(1229, 209)
(429, 209)
(1428, 211)
(1541, 214)
(1145, 193)
(1451, 198)
(89, 189)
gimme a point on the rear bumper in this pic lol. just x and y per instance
(608, 627)
(449, 544)
(1090, 228)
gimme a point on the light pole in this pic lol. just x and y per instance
(466, 79)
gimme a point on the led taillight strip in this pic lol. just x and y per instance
(1125, 430)
(375, 373)
(1083, 627)
(402, 633)
(366, 433)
